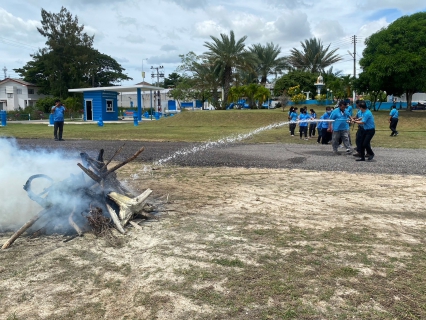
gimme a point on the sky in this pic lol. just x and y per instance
(141, 34)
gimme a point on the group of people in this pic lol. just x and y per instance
(334, 126)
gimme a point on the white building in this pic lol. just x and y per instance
(16, 93)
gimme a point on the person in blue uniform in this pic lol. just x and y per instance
(340, 127)
(367, 132)
(58, 111)
(293, 121)
(303, 124)
(393, 120)
(358, 136)
(313, 124)
(325, 132)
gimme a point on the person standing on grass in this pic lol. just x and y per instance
(58, 111)
(325, 133)
(303, 124)
(340, 127)
(393, 120)
(367, 132)
(313, 124)
(293, 121)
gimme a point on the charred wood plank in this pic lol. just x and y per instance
(21, 230)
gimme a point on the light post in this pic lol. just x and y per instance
(159, 74)
(331, 95)
(143, 72)
(328, 93)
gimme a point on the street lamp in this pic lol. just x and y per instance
(331, 94)
(328, 92)
(143, 72)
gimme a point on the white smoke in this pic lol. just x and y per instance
(16, 166)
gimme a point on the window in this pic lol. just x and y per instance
(30, 91)
(10, 95)
(109, 106)
(19, 91)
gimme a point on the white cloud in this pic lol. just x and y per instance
(189, 4)
(163, 29)
(328, 30)
(168, 47)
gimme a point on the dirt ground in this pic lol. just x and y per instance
(236, 243)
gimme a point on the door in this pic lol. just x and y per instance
(89, 110)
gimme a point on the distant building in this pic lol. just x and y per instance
(17, 93)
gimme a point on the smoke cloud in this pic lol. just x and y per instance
(16, 166)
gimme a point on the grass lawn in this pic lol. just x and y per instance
(203, 126)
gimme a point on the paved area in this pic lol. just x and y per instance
(293, 156)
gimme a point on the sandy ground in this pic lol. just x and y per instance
(203, 211)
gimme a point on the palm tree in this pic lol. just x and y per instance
(314, 57)
(227, 54)
(268, 61)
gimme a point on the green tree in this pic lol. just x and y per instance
(268, 61)
(226, 55)
(313, 57)
(68, 60)
(395, 57)
(172, 80)
(304, 79)
(204, 77)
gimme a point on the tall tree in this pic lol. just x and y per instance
(313, 57)
(268, 60)
(172, 80)
(68, 60)
(304, 79)
(203, 75)
(226, 55)
(395, 57)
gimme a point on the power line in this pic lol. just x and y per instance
(16, 43)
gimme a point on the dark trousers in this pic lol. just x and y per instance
(319, 135)
(292, 128)
(393, 124)
(58, 125)
(312, 127)
(358, 138)
(366, 136)
(303, 131)
(325, 136)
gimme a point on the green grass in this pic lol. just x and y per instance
(212, 125)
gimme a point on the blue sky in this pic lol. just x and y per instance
(160, 30)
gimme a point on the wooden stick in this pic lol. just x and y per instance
(90, 173)
(118, 166)
(73, 224)
(115, 219)
(115, 154)
(18, 233)
(134, 224)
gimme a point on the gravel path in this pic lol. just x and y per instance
(293, 156)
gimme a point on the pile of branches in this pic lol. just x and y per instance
(93, 201)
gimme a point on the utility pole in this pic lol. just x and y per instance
(354, 42)
(5, 70)
(159, 74)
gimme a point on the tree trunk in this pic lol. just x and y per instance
(226, 86)
(409, 96)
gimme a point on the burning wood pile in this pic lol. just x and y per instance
(78, 204)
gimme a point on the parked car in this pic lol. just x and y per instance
(421, 105)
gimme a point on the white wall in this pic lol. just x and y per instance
(14, 95)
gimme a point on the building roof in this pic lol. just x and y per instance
(144, 83)
(20, 81)
(119, 88)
